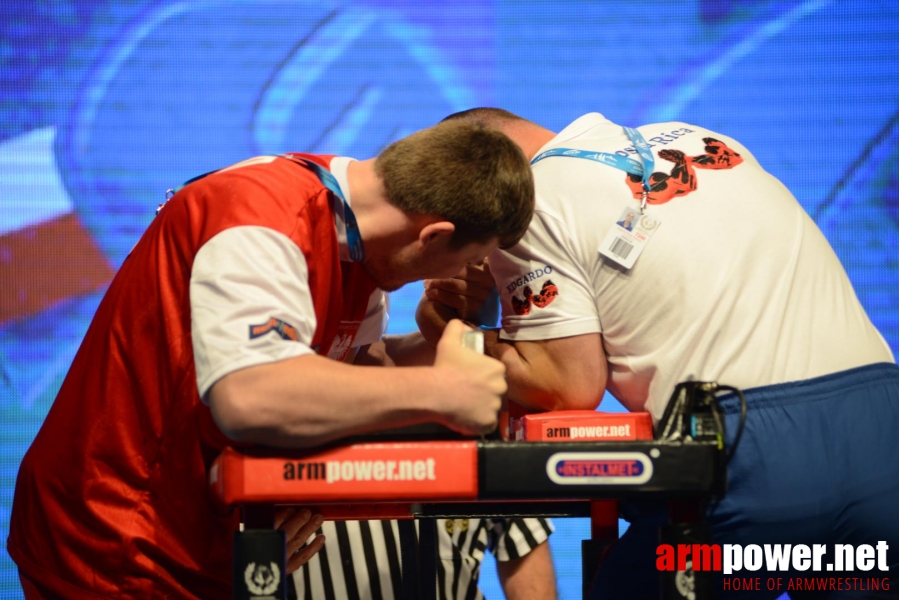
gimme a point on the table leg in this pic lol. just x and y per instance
(260, 565)
(409, 559)
(604, 533)
(688, 529)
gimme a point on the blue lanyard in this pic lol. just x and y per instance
(628, 165)
(353, 237)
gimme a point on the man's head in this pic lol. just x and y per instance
(527, 134)
(471, 176)
(465, 188)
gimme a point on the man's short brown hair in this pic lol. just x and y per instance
(474, 177)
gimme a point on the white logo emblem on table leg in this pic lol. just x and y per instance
(262, 580)
(685, 582)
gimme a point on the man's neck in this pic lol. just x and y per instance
(530, 136)
(364, 185)
(377, 218)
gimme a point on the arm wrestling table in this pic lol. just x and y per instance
(427, 480)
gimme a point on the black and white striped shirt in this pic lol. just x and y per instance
(356, 549)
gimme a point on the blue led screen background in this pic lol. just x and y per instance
(104, 105)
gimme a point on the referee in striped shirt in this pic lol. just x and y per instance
(361, 560)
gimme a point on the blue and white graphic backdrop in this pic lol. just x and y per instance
(104, 105)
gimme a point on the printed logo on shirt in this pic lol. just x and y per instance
(343, 340)
(547, 294)
(663, 138)
(285, 330)
(681, 181)
(529, 276)
(454, 524)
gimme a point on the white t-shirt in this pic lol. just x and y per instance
(736, 284)
(250, 270)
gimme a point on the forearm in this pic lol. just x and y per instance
(526, 386)
(311, 400)
(529, 577)
(559, 374)
(408, 350)
(554, 374)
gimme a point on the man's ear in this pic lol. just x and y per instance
(436, 234)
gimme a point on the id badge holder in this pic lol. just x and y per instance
(626, 239)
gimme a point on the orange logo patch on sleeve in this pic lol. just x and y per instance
(285, 330)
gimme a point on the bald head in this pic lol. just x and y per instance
(527, 134)
(494, 118)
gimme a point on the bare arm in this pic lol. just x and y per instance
(310, 400)
(559, 374)
(529, 577)
(408, 350)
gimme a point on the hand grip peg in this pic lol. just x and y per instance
(474, 339)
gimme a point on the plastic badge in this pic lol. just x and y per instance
(625, 241)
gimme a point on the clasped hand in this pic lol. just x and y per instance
(471, 296)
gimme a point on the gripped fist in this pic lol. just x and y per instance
(432, 317)
(471, 384)
(471, 294)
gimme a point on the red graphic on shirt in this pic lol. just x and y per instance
(682, 178)
(547, 294)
